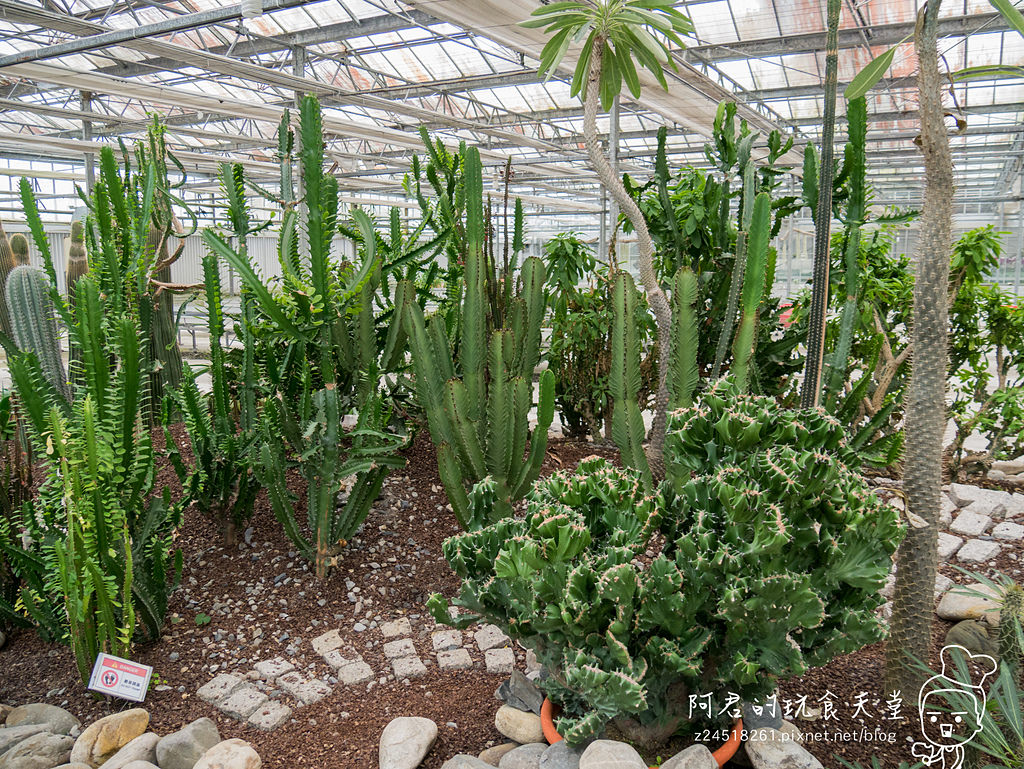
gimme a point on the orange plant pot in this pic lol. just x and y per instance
(549, 710)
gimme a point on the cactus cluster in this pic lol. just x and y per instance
(478, 400)
(761, 554)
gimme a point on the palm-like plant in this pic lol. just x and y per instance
(613, 33)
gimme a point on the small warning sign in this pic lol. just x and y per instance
(120, 678)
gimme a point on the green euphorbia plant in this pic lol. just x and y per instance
(761, 554)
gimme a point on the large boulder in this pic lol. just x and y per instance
(405, 742)
(11, 736)
(142, 748)
(102, 739)
(56, 720)
(519, 726)
(40, 751)
(610, 754)
(183, 749)
(230, 754)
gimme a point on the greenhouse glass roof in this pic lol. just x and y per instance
(75, 74)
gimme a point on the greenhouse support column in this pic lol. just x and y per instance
(613, 158)
(90, 161)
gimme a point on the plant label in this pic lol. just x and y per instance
(120, 678)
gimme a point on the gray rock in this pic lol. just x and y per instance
(55, 720)
(270, 715)
(977, 551)
(523, 757)
(974, 636)
(403, 647)
(779, 751)
(140, 765)
(12, 735)
(948, 544)
(769, 714)
(219, 688)
(446, 639)
(694, 757)
(561, 756)
(307, 691)
(609, 754)
(77, 765)
(40, 751)
(1009, 531)
(964, 602)
(970, 524)
(183, 748)
(408, 667)
(230, 754)
(490, 637)
(454, 659)
(405, 742)
(271, 670)
(243, 701)
(500, 660)
(518, 726)
(142, 748)
(462, 761)
(493, 754)
(521, 693)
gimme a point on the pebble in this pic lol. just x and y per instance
(561, 756)
(492, 756)
(694, 757)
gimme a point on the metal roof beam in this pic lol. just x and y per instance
(881, 34)
(329, 33)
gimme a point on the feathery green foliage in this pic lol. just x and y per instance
(477, 397)
(762, 507)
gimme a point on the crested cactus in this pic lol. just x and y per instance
(477, 402)
(762, 509)
(19, 247)
(77, 262)
(34, 323)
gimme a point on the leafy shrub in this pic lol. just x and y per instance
(763, 553)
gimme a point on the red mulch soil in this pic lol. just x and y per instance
(262, 599)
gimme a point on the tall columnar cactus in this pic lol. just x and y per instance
(34, 323)
(477, 402)
(926, 396)
(1011, 627)
(756, 247)
(19, 247)
(77, 263)
(855, 170)
(7, 264)
(771, 552)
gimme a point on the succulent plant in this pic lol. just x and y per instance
(34, 323)
(19, 248)
(77, 260)
(761, 554)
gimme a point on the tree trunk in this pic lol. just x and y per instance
(910, 632)
(655, 296)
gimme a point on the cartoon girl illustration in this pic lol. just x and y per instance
(946, 726)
